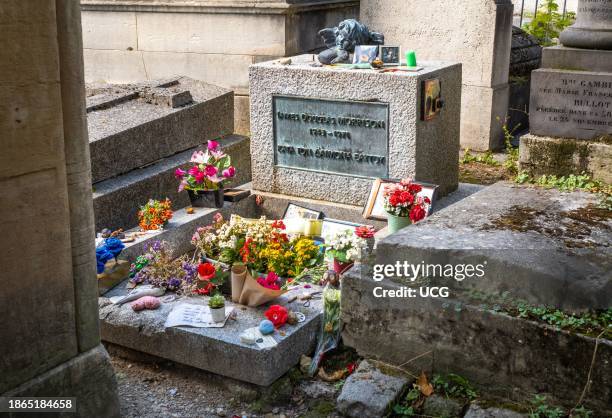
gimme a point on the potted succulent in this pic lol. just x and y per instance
(216, 304)
(345, 247)
(204, 181)
(403, 205)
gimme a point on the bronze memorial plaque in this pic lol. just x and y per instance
(349, 138)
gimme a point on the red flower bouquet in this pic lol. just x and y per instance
(278, 315)
(402, 200)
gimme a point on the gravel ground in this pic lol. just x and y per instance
(167, 389)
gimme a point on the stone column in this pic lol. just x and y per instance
(593, 27)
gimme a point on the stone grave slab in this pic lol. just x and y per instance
(314, 136)
(539, 245)
(133, 125)
(217, 350)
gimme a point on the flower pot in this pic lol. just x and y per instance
(395, 223)
(206, 198)
(218, 314)
(340, 267)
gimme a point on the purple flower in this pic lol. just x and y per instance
(174, 283)
(156, 246)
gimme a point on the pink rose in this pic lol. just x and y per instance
(199, 177)
(199, 157)
(193, 171)
(229, 172)
(210, 170)
(213, 145)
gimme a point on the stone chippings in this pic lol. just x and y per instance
(217, 350)
(538, 245)
(134, 125)
(424, 150)
(368, 392)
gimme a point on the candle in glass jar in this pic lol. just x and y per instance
(313, 227)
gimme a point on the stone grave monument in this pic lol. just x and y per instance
(571, 100)
(324, 133)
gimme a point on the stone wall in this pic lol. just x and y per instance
(476, 33)
(212, 41)
(49, 332)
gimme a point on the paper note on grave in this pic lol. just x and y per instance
(198, 316)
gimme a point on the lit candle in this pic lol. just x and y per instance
(411, 59)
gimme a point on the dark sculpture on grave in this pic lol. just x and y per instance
(342, 39)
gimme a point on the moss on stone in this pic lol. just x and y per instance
(558, 157)
(319, 409)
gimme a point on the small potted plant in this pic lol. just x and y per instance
(155, 214)
(345, 248)
(216, 304)
(403, 205)
(204, 181)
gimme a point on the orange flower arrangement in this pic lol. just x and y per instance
(155, 214)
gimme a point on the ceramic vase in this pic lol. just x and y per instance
(395, 223)
(206, 198)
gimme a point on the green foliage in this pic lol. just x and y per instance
(581, 412)
(406, 407)
(548, 23)
(522, 177)
(217, 301)
(568, 183)
(511, 163)
(454, 386)
(540, 409)
(589, 323)
(484, 158)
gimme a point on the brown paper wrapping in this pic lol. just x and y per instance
(246, 290)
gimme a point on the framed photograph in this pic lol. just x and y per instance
(365, 54)
(333, 226)
(375, 208)
(432, 99)
(295, 211)
(390, 55)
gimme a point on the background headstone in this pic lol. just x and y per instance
(475, 33)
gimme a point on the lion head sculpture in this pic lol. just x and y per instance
(342, 39)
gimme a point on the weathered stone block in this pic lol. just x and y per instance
(501, 355)
(368, 392)
(575, 59)
(136, 125)
(533, 244)
(218, 350)
(561, 157)
(416, 148)
(571, 104)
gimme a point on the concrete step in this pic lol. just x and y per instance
(131, 126)
(117, 200)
